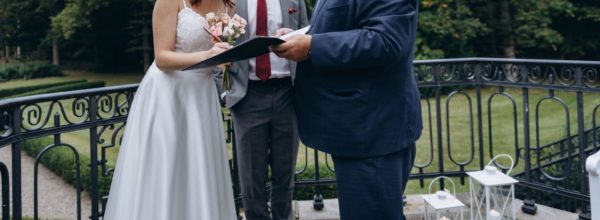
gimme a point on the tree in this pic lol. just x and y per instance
(580, 32)
(10, 24)
(522, 28)
(115, 35)
(6, 28)
(140, 30)
(446, 28)
(49, 8)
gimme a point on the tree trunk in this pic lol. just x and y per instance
(18, 52)
(55, 54)
(508, 41)
(492, 20)
(146, 47)
(6, 51)
(146, 31)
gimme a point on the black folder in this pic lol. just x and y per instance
(251, 48)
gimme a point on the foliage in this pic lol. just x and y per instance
(23, 89)
(139, 29)
(533, 19)
(580, 32)
(74, 16)
(115, 35)
(307, 193)
(63, 88)
(445, 29)
(62, 162)
(28, 70)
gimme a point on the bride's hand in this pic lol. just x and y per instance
(219, 48)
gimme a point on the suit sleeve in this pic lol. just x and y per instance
(384, 30)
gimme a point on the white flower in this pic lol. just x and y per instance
(210, 16)
(225, 18)
(227, 31)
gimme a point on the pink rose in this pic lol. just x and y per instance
(218, 29)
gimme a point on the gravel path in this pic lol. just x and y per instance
(56, 198)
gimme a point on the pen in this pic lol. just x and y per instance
(215, 38)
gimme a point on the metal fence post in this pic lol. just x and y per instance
(94, 192)
(438, 119)
(16, 165)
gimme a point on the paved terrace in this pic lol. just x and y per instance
(414, 210)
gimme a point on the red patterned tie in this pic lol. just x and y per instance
(263, 62)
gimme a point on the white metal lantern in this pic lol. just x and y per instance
(442, 205)
(492, 192)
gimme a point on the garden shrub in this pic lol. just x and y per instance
(62, 162)
(307, 193)
(24, 89)
(28, 70)
(63, 88)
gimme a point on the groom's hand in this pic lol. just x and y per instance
(282, 31)
(296, 48)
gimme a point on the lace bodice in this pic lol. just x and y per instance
(190, 34)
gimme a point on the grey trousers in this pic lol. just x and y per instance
(266, 135)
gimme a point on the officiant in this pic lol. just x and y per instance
(357, 99)
(262, 106)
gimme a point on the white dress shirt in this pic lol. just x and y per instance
(280, 67)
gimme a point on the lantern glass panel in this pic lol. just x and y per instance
(442, 204)
(492, 193)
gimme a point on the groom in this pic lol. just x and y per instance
(357, 99)
(261, 104)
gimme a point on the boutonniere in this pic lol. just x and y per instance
(292, 10)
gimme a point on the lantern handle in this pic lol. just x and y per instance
(512, 162)
(442, 177)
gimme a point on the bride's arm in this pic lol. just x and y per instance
(164, 29)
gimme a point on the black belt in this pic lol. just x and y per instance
(272, 82)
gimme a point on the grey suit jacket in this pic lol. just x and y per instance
(240, 70)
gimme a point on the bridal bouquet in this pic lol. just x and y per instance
(224, 28)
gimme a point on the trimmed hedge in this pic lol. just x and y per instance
(28, 70)
(307, 193)
(63, 88)
(23, 89)
(62, 162)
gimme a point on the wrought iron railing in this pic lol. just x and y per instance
(520, 89)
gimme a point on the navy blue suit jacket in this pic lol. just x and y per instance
(356, 95)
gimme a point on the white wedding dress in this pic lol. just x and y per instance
(172, 163)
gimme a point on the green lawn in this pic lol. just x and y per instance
(552, 124)
(111, 79)
(30, 82)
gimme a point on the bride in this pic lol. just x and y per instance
(173, 162)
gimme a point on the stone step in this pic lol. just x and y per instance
(414, 210)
